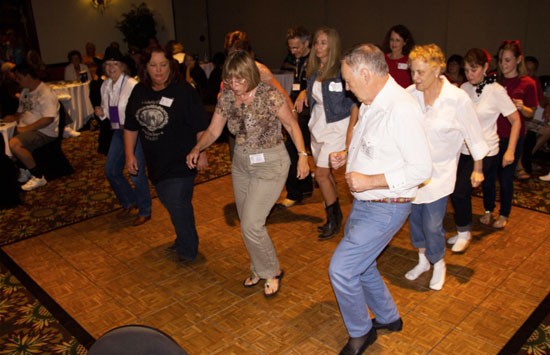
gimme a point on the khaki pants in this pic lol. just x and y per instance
(257, 187)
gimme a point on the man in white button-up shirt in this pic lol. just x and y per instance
(388, 158)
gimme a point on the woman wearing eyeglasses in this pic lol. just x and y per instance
(254, 112)
(330, 111)
(522, 90)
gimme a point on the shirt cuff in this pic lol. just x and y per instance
(396, 180)
(479, 150)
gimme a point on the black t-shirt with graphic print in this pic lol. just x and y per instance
(168, 122)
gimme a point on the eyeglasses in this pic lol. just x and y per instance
(234, 81)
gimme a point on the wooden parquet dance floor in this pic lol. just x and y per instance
(105, 273)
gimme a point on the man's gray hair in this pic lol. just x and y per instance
(299, 32)
(367, 55)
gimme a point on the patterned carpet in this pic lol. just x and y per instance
(532, 194)
(82, 195)
(26, 326)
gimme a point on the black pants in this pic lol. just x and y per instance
(528, 145)
(461, 197)
(295, 187)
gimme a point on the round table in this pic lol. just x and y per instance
(75, 97)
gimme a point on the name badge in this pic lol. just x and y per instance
(335, 86)
(115, 125)
(166, 101)
(257, 158)
(402, 66)
(295, 86)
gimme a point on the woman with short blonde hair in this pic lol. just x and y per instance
(449, 120)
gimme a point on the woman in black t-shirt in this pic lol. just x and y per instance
(167, 114)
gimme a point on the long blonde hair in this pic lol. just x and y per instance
(334, 50)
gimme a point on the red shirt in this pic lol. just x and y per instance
(523, 88)
(399, 70)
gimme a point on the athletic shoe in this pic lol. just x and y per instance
(34, 183)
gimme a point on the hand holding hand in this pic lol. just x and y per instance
(338, 159)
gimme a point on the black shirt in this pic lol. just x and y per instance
(168, 122)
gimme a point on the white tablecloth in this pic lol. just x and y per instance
(78, 106)
(7, 129)
(285, 79)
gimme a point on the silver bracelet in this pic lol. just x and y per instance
(303, 153)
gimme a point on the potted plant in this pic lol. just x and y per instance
(138, 26)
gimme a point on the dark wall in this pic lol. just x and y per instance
(455, 26)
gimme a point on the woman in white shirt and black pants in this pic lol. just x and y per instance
(490, 100)
(115, 92)
(449, 120)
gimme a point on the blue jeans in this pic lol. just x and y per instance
(426, 226)
(114, 169)
(353, 273)
(176, 195)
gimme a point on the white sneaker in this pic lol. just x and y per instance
(545, 177)
(69, 132)
(438, 276)
(24, 176)
(460, 244)
(34, 183)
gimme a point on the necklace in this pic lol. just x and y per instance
(243, 99)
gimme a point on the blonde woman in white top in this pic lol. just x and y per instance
(115, 92)
(449, 119)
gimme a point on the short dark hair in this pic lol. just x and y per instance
(456, 58)
(174, 76)
(404, 33)
(25, 69)
(533, 60)
(74, 52)
(300, 33)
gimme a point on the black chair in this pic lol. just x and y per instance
(9, 188)
(135, 340)
(50, 157)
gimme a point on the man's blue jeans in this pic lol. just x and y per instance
(114, 170)
(353, 273)
(176, 194)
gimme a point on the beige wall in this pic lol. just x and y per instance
(63, 25)
(456, 26)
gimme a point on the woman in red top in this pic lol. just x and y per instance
(397, 45)
(522, 90)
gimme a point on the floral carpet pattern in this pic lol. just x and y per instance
(84, 194)
(539, 342)
(532, 194)
(27, 327)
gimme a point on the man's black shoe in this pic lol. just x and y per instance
(357, 346)
(395, 326)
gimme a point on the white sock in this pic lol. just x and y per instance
(438, 276)
(422, 266)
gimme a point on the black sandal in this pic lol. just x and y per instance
(251, 278)
(278, 277)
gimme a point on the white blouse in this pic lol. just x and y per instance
(492, 102)
(449, 122)
(114, 96)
